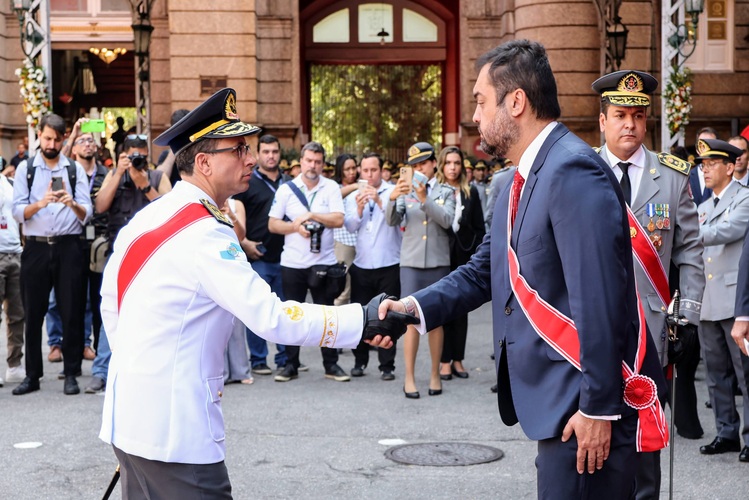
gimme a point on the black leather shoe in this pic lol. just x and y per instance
(28, 385)
(435, 392)
(744, 455)
(459, 374)
(449, 376)
(71, 386)
(357, 371)
(411, 395)
(387, 375)
(720, 445)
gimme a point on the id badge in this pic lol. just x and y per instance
(368, 227)
(90, 233)
(3, 222)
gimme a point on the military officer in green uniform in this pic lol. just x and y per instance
(656, 188)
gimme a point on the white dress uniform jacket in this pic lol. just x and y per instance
(163, 397)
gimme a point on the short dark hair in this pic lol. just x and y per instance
(178, 114)
(268, 139)
(53, 121)
(135, 143)
(522, 64)
(740, 138)
(185, 159)
(708, 130)
(314, 147)
(372, 154)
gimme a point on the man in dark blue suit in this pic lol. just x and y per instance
(572, 241)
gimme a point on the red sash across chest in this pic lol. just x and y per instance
(143, 247)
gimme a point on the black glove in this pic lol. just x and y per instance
(393, 326)
(686, 341)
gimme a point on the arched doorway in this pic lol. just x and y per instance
(377, 76)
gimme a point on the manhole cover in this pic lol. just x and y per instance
(443, 454)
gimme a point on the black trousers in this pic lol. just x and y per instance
(454, 347)
(557, 473)
(294, 282)
(366, 284)
(58, 265)
(144, 479)
(94, 297)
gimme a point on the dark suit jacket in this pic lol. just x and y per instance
(698, 194)
(572, 239)
(742, 283)
(463, 244)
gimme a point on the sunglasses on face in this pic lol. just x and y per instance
(142, 137)
(84, 140)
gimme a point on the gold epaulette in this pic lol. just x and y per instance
(216, 212)
(675, 163)
(597, 149)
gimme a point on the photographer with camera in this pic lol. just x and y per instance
(124, 192)
(131, 186)
(305, 211)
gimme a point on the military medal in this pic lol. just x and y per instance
(650, 210)
(659, 213)
(666, 217)
(656, 240)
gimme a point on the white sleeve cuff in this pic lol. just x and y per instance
(601, 417)
(422, 326)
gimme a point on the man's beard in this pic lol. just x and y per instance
(501, 134)
(50, 153)
(87, 157)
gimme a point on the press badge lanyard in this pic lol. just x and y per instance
(267, 183)
(368, 227)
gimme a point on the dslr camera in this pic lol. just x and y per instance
(138, 161)
(315, 235)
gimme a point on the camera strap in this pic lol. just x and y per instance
(298, 192)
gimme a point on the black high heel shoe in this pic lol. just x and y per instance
(459, 374)
(413, 395)
(435, 392)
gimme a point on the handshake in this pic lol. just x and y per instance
(393, 326)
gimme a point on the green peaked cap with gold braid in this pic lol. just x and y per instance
(626, 88)
(216, 118)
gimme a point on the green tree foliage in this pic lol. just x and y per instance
(385, 108)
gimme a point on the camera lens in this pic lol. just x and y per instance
(138, 161)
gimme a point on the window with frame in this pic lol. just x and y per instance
(715, 34)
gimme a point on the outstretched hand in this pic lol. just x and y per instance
(390, 324)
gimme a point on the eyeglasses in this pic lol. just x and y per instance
(142, 137)
(711, 165)
(241, 150)
(85, 140)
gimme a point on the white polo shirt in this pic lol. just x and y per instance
(377, 243)
(324, 198)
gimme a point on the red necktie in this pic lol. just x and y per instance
(517, 187)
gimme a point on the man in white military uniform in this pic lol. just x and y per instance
(724, 218)
(172, 287)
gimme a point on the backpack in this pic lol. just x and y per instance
(72, 177)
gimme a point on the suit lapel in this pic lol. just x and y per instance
(648, 185)
(725, 201)
(556, 134)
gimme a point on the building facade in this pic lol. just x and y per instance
(270, 51)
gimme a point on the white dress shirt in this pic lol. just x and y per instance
(636, 167)
(168, 336)
(377, 243)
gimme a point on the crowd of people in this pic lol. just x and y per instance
(346, 231)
